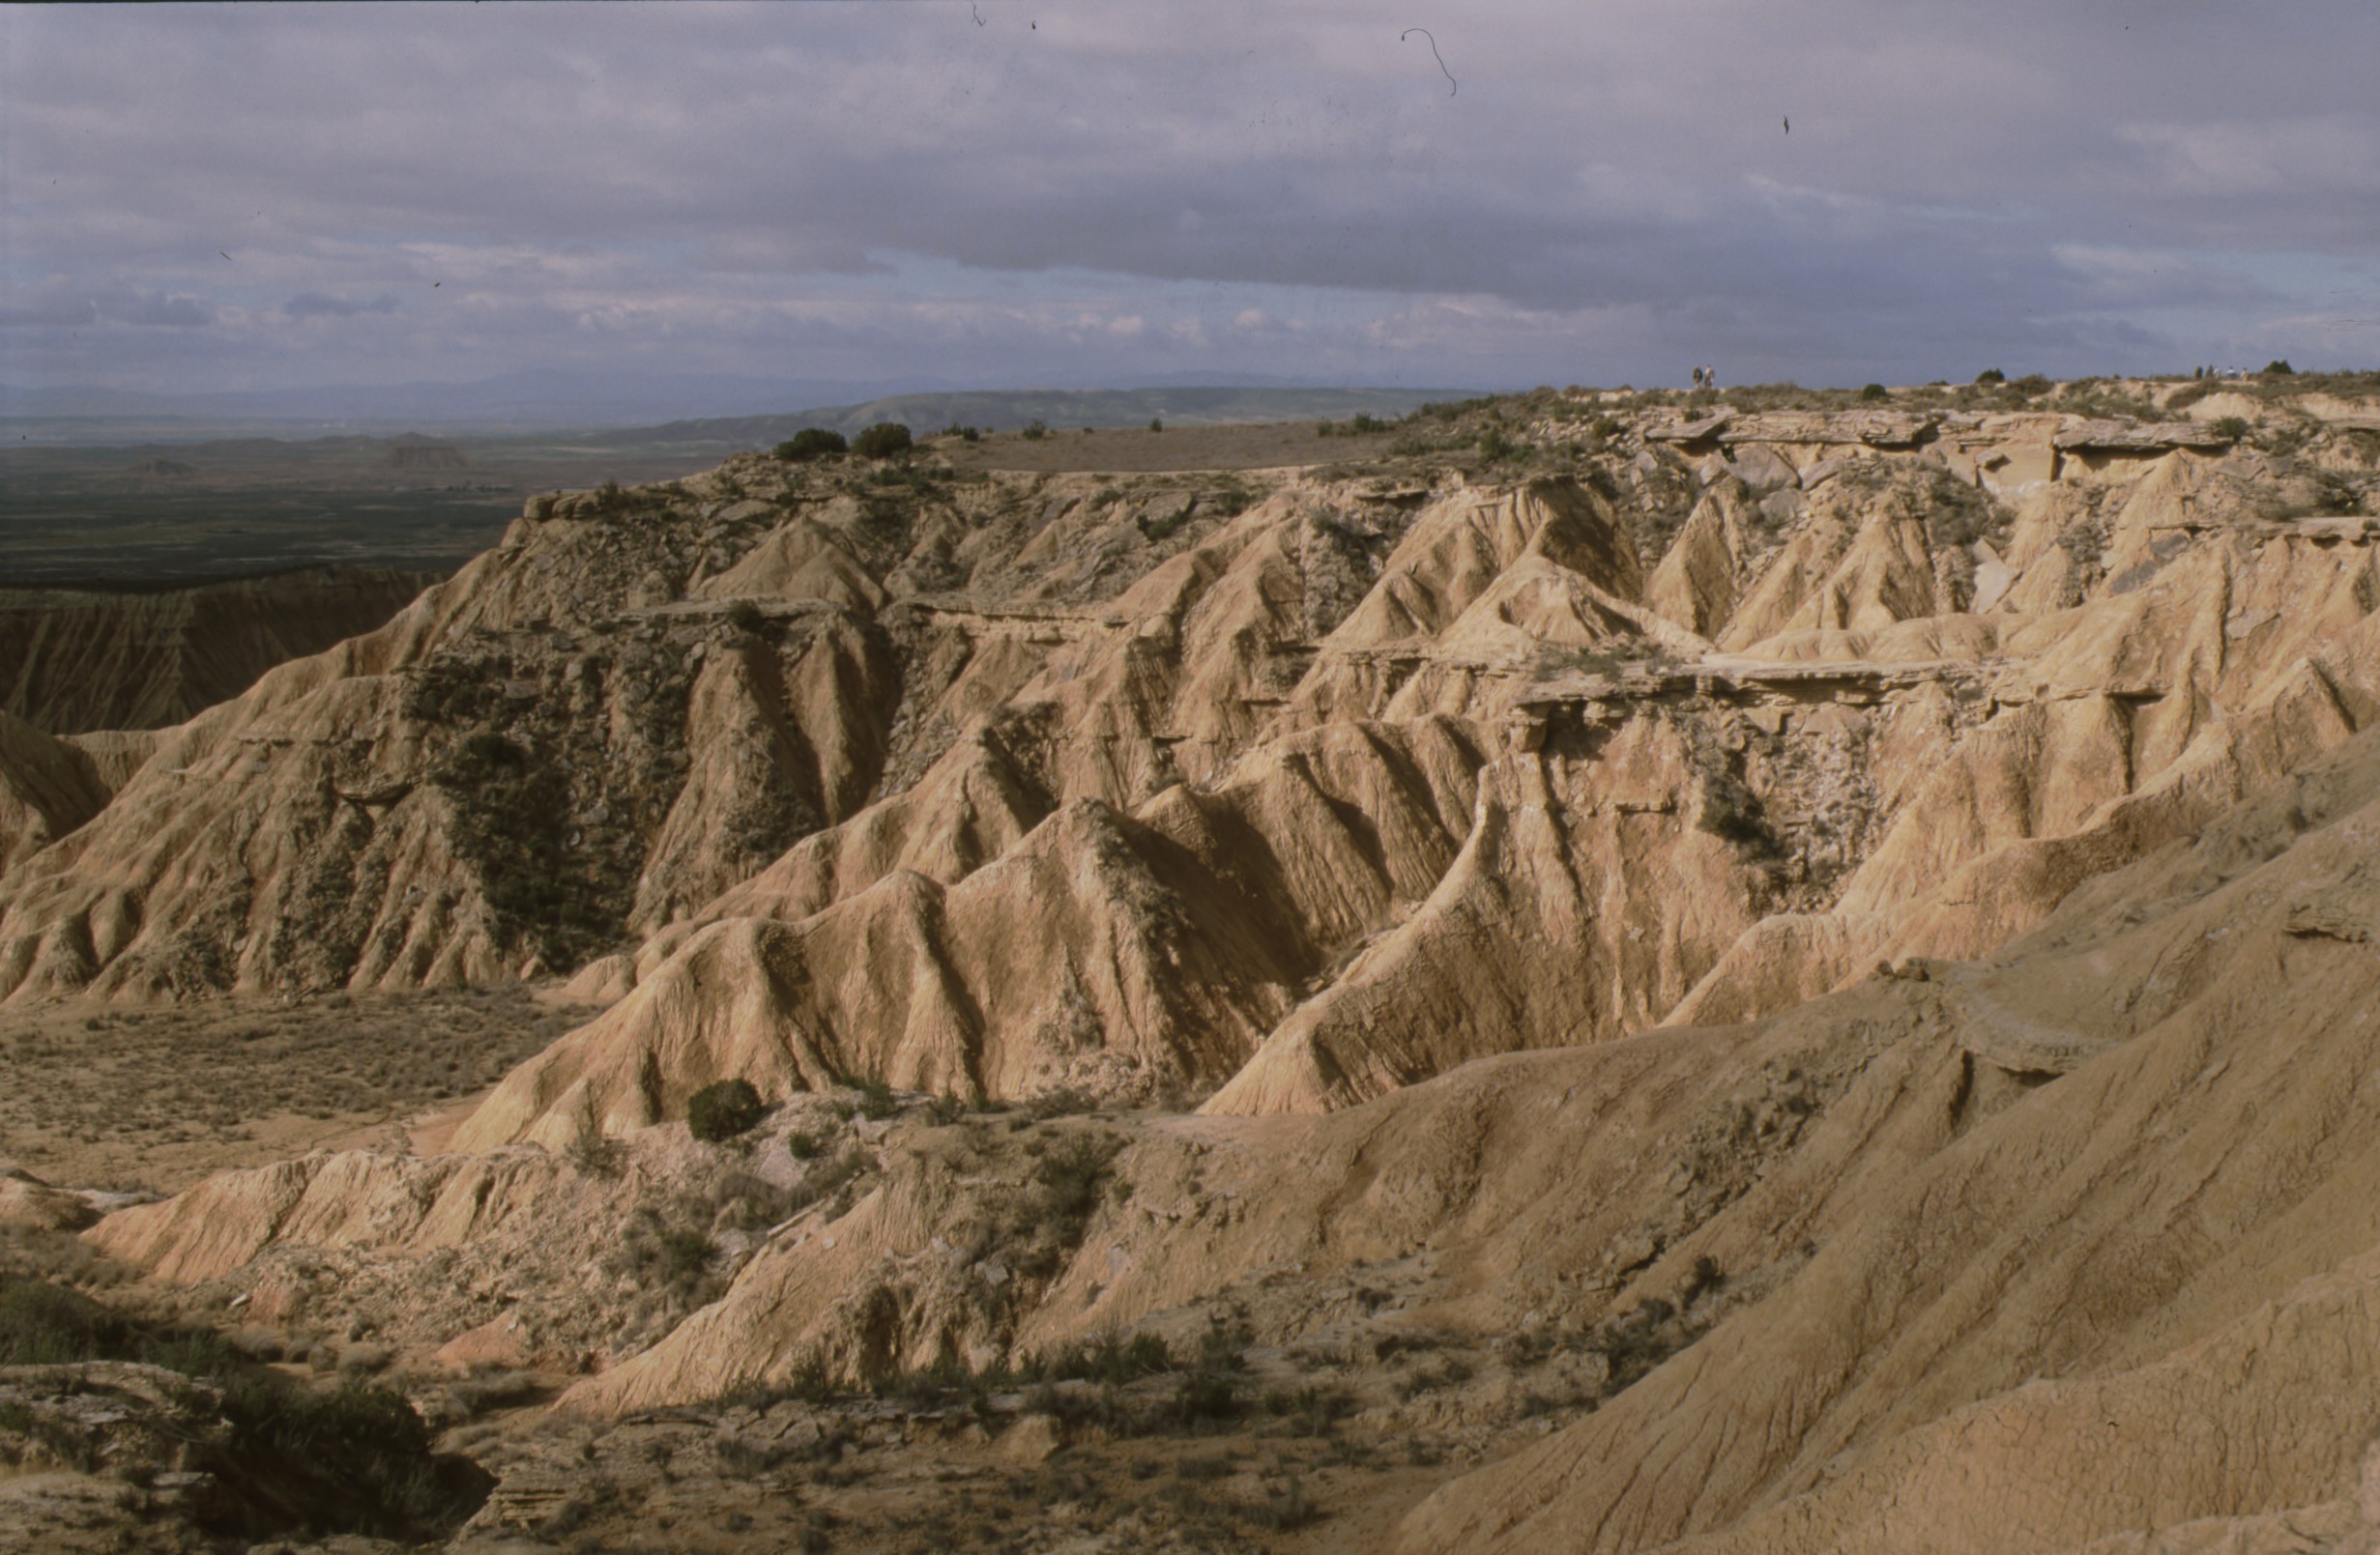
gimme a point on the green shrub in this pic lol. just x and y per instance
(876, 1101)
(613, 498)
(883, 441)
(1164, 525)
(1155, 425)
(1204, 1395)
(1110, 1360)
(2279, 368)
(801, 1146)
(1992, 375)
(2233, 427)
(512, 807)
(1073, 1179)
(353, 1460)
(810, 443)
(746, 617)
(1875, 392)
(43, 1325)
(723, 1110)
(1731, 813)
(684, 1254)
(1314, 1410)
(1035, 430)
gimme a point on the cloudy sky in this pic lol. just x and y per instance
(1055, 192)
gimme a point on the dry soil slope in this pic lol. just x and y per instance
(2139, 1296)
(2056, 1249)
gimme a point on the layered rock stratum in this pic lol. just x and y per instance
(1869, 915)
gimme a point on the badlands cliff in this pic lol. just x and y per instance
(1304, 789)
(1855, 927)
(78, 660)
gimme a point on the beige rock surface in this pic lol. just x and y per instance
(1911, 1064)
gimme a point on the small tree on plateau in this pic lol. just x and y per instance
(723, 1110)
(882, 441)
(810, 443)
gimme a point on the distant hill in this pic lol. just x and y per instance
(1009, 408)
(82, 660)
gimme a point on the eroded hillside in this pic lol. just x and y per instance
(79, 660)
(1694, 914)
(1302, 784)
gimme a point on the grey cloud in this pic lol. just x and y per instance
(165, 313)
(62, 305)
(319, 306)
(2032, 178)
(51, 313)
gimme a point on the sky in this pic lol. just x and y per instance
(999, 193)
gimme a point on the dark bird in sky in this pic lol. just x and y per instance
(1788, 124)
(220, 251)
